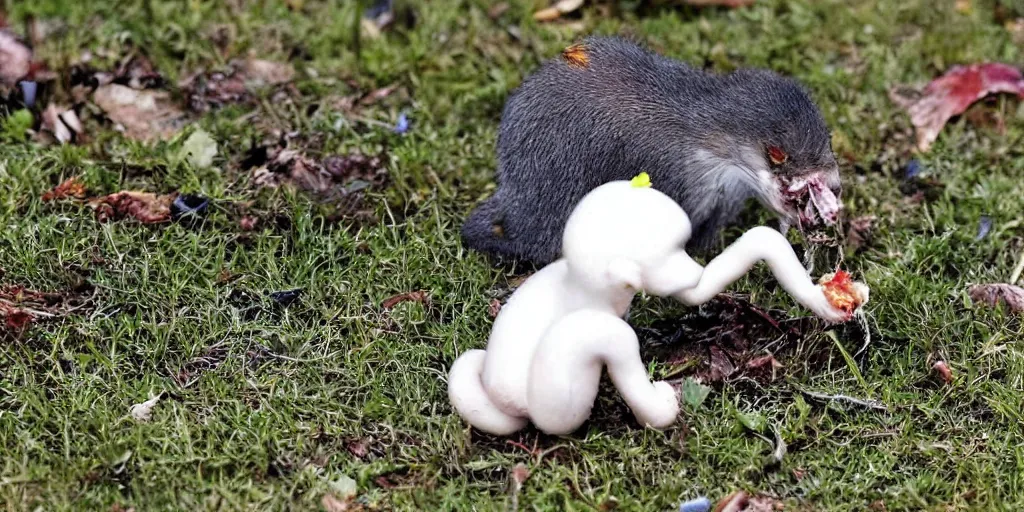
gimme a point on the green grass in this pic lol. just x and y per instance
(336, 386)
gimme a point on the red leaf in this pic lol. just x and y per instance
(16, 319)
(951, 94)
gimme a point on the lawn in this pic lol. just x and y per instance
(272, 401)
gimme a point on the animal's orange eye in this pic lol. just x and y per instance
(777, 155)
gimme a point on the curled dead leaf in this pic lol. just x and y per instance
(235, 84)
(145, 207)
(994, 294)
(944, 371)
(951, 94)
(71, 187)
(145, 115)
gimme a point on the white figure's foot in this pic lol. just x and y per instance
(665, 414)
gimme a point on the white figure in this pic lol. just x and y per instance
(564, 324)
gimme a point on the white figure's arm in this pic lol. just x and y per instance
(761, 244)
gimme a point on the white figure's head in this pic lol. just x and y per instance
(626, 234)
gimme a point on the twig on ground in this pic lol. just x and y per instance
(868, 403)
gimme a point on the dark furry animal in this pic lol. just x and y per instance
(607, 109)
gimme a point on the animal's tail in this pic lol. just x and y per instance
(483, 229)
(468, 397)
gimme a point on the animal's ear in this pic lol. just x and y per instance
(625, 273)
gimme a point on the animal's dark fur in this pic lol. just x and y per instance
(618, 109)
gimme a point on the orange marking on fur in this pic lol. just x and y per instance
(576, 56)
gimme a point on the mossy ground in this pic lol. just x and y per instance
(336, 385)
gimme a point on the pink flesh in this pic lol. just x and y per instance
(822, 205)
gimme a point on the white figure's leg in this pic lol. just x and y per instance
(467, 395)
(567, 369)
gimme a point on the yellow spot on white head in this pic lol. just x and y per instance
(641, 180)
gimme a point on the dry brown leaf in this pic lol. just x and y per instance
(146, 207)
(234, 85)
(417, 296)
(721, 365)
(138, 72)
(259, 72)
(497, 10)
(359, 448)
(71, 187)
(944, 371)
(859, 232)
(20, 306)
(15, 59)
(993, 294)
(732, 503)
(1016, 30)
(556, 11)
(145, 115)
(332, 503)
